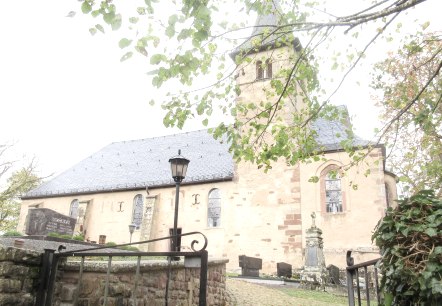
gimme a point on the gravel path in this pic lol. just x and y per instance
(243, 293)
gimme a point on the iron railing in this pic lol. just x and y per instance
(51, 260)
(370, 284)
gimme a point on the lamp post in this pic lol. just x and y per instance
(131, 231)
(178, 166)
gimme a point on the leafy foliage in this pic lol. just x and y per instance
(18, 183)
(12, 233)
(195, 43)
(410, 240)
(57, 235)
(411, 106)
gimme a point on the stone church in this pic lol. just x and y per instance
(241, 209)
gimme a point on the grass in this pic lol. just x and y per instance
(320, 296)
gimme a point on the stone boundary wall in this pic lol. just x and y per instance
(183, 286)
(20, 274)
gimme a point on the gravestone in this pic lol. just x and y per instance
(42, 221)
(250, 266)
(333, 274)
(314, 272)
(283, 269)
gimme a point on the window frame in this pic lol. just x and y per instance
(264, 71)
(139, 212)
(214, 215)
(323, 190)
(77, 202)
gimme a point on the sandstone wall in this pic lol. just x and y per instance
(19, 275)
(151, 286)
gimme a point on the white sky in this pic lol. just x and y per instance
(64, 94)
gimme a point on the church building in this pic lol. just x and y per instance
(241, 209)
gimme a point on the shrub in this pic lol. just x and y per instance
(78, 237)
(111, 244)
(410, 240)
(129, 248)
(57, 235)
(12, 233)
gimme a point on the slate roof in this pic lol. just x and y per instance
(330, 133)
(135, 164)
(131, 165)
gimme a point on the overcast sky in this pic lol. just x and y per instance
(64, 94)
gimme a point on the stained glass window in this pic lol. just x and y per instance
(73, 211)
(333, 193)
(137, 212)
(214, 208)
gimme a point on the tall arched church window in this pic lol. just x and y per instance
(73, 210)
(333, 192)
(214, 208)
(263, 70)
(137, 211)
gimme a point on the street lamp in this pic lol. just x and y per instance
(131, 231)
(178, 166)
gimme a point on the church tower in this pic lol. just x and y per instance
(272, 202)
(265, 65)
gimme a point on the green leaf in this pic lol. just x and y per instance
(124, 42)
(126, 56)
(313, 179)
(86, 7)
(157, 58)
(432, 232)
(99, 27)
(116, 22)
(205, 122)
(93, 31)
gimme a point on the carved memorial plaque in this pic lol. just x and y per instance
(42, 221)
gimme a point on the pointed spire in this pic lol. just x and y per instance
(262, 36)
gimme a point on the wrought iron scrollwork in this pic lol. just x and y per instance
(192, 244)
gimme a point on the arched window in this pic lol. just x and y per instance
(137, 211)
(73, 210)
(333, 192)
(214, 208)
(263, 71)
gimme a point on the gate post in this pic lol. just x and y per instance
(203, 278)
(52, 276)
(46, 261)
(350, 273)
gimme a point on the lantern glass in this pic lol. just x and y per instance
(178, 167)
(132, 228)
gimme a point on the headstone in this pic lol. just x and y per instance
(250, 266)
(283, 269)
(333, 274)
(314, 272)
(42, 221)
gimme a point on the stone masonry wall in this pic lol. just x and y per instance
(19, 275)
(183, 286)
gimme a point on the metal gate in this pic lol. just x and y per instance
(362, 283)
(51, 261)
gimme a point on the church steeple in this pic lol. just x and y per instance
(265, 35)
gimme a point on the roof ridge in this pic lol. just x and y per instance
(158, 137)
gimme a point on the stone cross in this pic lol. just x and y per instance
(313, 215)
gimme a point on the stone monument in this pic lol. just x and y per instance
(314, 272)
(42, 221)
